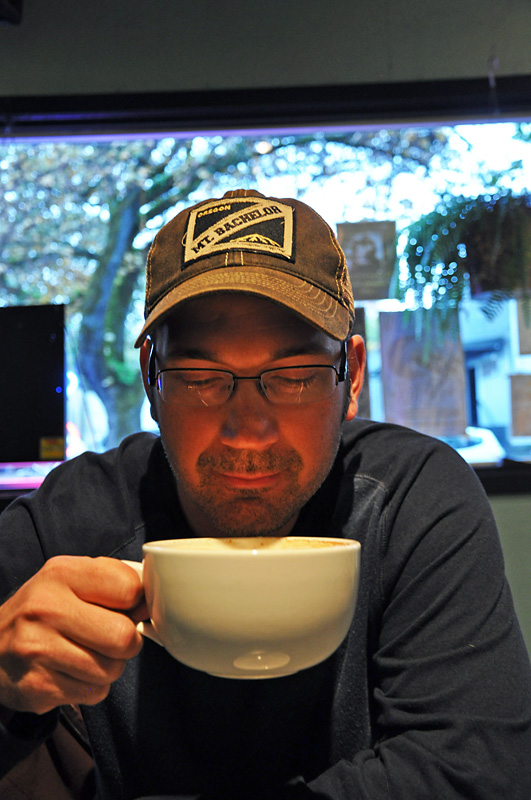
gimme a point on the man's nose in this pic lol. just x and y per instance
(250, 419)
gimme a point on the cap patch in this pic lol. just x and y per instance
(239, 223)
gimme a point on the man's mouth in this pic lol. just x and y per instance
(249, 471)
(249, 480)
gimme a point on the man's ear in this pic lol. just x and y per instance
(356, 365)
(148, 369)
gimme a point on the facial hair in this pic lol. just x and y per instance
(250, 512)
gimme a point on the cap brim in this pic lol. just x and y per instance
(307, 301)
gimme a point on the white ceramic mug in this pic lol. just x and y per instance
(256, 607)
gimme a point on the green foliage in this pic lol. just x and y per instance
(479, 246)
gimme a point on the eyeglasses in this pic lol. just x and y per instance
(309, 383)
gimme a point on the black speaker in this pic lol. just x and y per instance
(32, 383)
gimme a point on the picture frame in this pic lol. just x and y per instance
(370, 252)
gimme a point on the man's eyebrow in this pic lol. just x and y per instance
(291, 351)
(191, 352)
(304, 349)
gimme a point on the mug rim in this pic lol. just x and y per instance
(232, 542)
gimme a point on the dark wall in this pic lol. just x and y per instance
(64, 47)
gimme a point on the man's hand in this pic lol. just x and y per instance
(67, 633)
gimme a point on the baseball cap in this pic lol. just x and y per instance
(280, 249)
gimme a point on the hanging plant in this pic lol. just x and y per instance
(479, 247)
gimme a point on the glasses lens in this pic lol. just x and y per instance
(299, 384)
(195, 387)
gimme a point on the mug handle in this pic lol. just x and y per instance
(145, 628)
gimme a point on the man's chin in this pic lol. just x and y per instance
(236, 520)
(236, 527)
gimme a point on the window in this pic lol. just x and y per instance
(449, 343)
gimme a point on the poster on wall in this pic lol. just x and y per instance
(423, 373)
(524, 325)
(521, 405)
(370, 251)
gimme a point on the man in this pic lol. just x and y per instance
(253, 375)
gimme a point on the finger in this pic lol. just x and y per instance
(61, 673)
(110, 634)
(42, 691)
(139, 613)
(84, 665)
(102, 581)
(89, 643)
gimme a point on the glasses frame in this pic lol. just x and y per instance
(154, 376)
